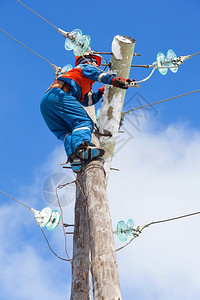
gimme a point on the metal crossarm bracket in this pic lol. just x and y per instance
(133, 84)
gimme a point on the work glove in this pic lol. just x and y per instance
(120, 82)
(101, 90)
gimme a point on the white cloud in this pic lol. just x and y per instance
(158, 179)
(28, 269)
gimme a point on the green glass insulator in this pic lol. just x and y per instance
(162, 63)
(72, 41)
(171, 56)
(122, 231)
(45, 216)
(83, 45)
(65, 69)
(54, 220)
(130, 227)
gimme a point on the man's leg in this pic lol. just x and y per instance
(55, 123)
(64, 114)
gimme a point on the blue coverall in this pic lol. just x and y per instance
(65, 115)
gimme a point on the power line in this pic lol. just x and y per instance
(21, 203)
(173, 219)
(150, 104)
(194, 54)
(37, 14)
(51, 248)
(25, 46)
(142, 227)
(15, 200)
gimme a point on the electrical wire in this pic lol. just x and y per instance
(150, 104)
(37, 14)
(26, 46)
(155, 222)
(15, 200)
(154, 68)
(39, 226)
(51, 248)
(173, 219)
(163, 67)
(145, 79)
(194, 54)
(60, 186)
(62, 223)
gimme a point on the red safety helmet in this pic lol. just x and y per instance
(89, 57)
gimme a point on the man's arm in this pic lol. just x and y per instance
(92, 98)
(96, 74)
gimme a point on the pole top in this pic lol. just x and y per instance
(125, 39)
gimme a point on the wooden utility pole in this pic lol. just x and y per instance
(110, 116)
(92, 210)
(81, 249)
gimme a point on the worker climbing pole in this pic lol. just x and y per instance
(89, 151)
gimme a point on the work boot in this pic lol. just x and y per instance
(88, 152)
(76, 163)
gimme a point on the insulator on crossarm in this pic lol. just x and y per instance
(47, 218)
(122, 231)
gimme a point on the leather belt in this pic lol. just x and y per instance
(59, 84)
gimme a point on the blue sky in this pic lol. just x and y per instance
(162, 154)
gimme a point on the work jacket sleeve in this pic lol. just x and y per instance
(91, 98)
(96, 74)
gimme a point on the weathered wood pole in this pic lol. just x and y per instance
(93, 187)
(110, 116)
(81, 239)
(81, 249)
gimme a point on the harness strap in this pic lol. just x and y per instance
(59, 84)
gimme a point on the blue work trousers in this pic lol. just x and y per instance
(66, 118)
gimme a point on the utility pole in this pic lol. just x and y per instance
(81, 239)
(110, 116)
(92, 203)
(81, 249)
